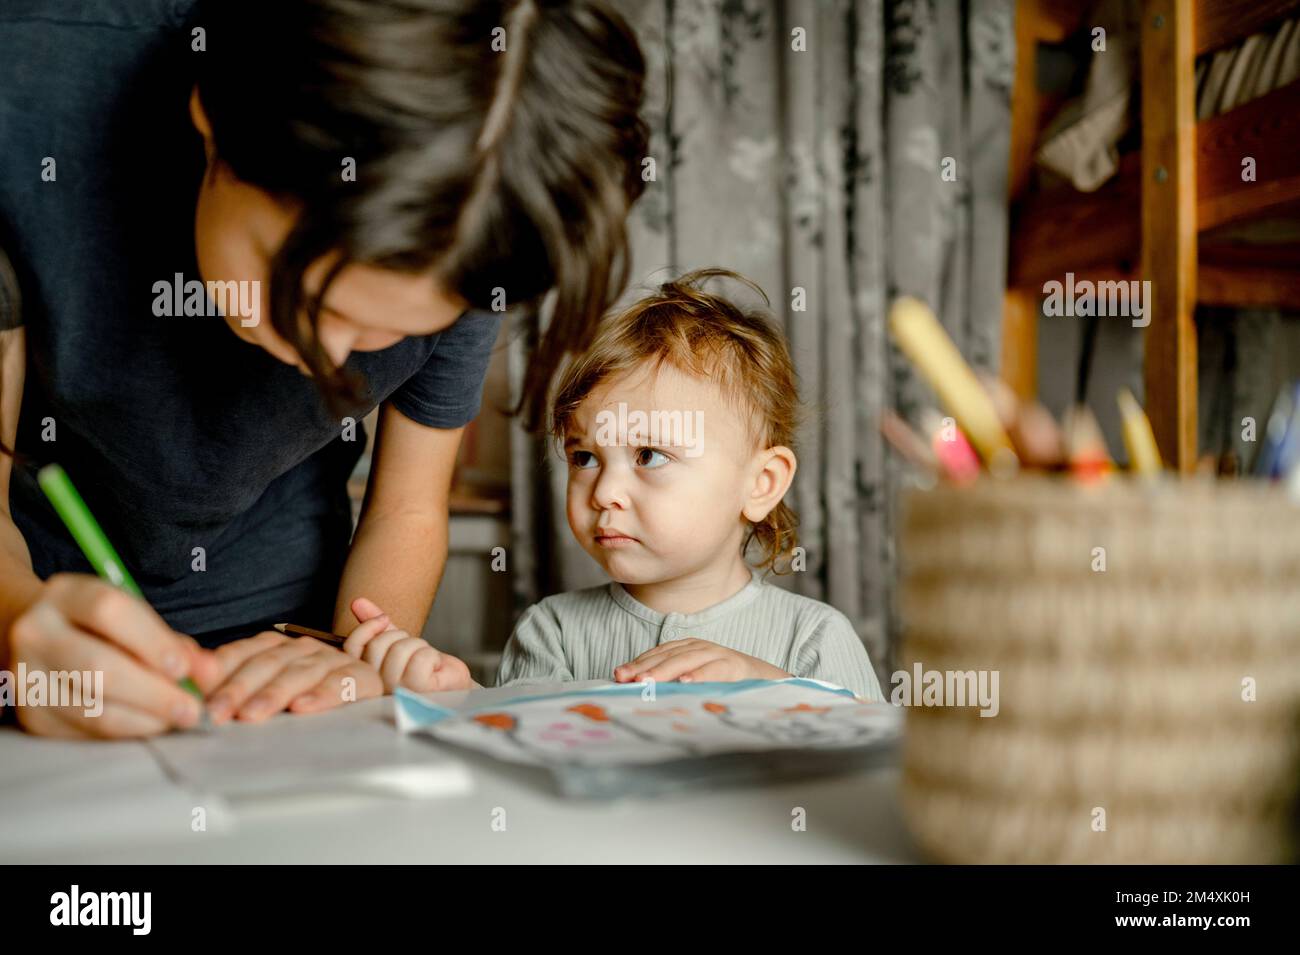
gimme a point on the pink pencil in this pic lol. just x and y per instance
(957, 459)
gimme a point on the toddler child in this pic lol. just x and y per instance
(677, 425)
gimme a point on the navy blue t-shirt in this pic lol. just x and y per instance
(179, 434)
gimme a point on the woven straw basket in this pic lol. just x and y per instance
(1122, 734)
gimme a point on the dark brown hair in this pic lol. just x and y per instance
(508, 168)
(706, 335)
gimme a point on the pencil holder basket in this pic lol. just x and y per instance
(1146, 646)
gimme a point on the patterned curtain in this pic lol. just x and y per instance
(854, 149)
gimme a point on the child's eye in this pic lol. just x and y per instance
(582, 459)
(650, 458)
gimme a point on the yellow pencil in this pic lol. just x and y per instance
(924, 341)
(1143, 455)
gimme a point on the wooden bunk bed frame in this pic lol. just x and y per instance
(1186, 181)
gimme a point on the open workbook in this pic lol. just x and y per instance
(619, 739)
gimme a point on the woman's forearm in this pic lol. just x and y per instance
(19, 585)
(397, 561)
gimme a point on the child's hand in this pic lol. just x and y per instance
(693, 660)
(401, 659)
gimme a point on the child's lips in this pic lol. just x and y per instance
(614, 539)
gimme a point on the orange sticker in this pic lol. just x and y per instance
(496, 721)
(591, 711)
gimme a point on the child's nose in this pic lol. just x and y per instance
(609, 490)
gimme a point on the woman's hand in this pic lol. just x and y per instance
(267, 673)
(401, 659)
(82, 624)
(694, 660)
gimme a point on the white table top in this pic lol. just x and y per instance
(849, 818)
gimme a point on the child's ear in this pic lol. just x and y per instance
(776, 467)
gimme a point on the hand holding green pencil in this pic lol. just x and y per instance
(83, 624)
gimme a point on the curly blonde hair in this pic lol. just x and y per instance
(708, 336)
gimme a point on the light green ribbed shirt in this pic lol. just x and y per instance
(585, 634)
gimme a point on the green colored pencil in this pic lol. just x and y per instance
(90, 538)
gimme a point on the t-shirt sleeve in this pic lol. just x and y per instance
(448, 390)
(834, 653)
(534, 653)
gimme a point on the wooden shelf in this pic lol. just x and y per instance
(1222, 23)
(1063, 230)
(1168, 216)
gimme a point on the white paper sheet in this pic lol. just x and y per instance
(63, 794)
(353, 749)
